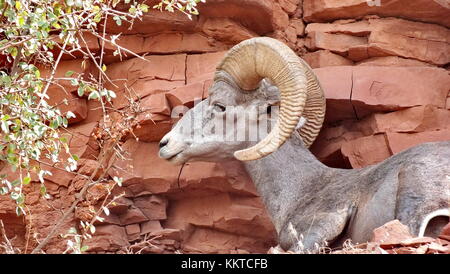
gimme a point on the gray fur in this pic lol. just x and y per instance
(320, 203)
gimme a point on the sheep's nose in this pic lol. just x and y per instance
(163, 143)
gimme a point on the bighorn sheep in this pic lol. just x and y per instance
(299, 192)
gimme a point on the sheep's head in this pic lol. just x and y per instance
(240, 118)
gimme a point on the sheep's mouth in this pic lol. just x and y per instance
(168, 156)
(171, 158)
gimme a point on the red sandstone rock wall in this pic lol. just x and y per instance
(384, 70)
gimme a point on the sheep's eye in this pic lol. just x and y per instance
(219, 107)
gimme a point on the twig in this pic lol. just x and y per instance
(13, 44)
(121, 48)
(44, 91)
(9, 249)
(15, 65)
(145, 243)
(104, 157)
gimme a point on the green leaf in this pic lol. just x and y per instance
(118, 180)
(26, 180)
(65, 122)
(43, 190)
(15, 182)
(80, 91)
(15, 196)
(69, 73)
(84, 248)
(93, 95)
(3, 190)
(18, 5)
(59, 120)
(104, 67)
(54, 124)
(56, 25)
(21, 20)
(74, 82)
(70, 114)
(111, 93)
(13, 51)
(118, 20)
(144, 7)
(98, 17)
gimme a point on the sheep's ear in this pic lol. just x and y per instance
(301, 123)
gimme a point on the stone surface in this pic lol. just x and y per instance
(186, 95)
(132, 216)
(446, 231)
(338, 43)
(336, 140)
(280, 18)
(226, 30)
(205, 178)
(382, 37)
(392, 61)
(159, 22)
(417, 241)
(108, 238)
(139, 177)
(366, 151)
(233, 215)
(172, 43)
(401, 141)
(435, 248)
(289, 6)
(298, 26)
(247, 12)
(77, 66)
(435, 11)
(133, 232)
(410, 120)
(201, 67)
(325, 58)
(67, 101)
(137, 78)
(81, 141)
(150, 227)
(153, 207)
(337, 85)
(382, 89)
(204, 240)
(391, 234)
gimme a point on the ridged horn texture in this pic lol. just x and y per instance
(300, 93)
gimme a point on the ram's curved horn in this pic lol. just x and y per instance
(300, 93)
